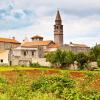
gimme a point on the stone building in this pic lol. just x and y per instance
(6, 45)
(14, 53)
(58, 30)
(37, 38)
(23, 55)
(37, 41)
(31, 51)
(4, 57)
(76, 48)
(58, 38)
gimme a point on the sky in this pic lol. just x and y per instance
(26, 18)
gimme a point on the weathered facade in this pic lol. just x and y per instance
(24, 56)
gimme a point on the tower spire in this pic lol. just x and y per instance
(58, 17)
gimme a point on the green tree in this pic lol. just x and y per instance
(95, 52)
(98, 61)
(57, 58)
(60, 58)
(70, 57)
(91, 56)
(82, 59)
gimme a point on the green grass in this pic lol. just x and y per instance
(14, 68)
(60, 86)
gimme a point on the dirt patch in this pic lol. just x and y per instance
(76, 74)
(11, 76)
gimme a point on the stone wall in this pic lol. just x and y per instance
(41, 61)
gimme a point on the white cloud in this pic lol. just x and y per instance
(81, 19)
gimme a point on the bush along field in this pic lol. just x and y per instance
(49, 84)
(89, 60)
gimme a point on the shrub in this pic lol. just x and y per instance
(52, 84)
(2, 80)
(3, 85)
(74, 94)
(4, 65)
(35, 65)
(60, 58)
(98, 62)
(82, 59)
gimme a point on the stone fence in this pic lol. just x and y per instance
(41, 61)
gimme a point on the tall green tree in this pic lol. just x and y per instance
(94, 54)
(81, 58)
(70, 57)
(95, 51)
(60, 58)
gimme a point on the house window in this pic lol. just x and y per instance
(56, 27)
(24, 53)
(61, 27)
(1, 60)
(32, 53)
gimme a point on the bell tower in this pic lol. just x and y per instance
(58, 30)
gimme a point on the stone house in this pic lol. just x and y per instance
(30, 52)
(5, 45)
(4, 57)
(23, 56)
(46, 45)
(76, 48)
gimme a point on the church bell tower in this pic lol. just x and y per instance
(58, 30)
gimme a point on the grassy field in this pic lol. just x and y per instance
(26, 83)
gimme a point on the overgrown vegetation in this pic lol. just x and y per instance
(49, 85)
(34, 65)
(60, 58)
(54, 85)
(63, 59)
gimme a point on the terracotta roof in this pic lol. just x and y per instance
(54, 46)
(37, 36)
(7, 40)
(78, 45)
(38, 43)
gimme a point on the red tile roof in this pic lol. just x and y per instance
(37, 43)
(37, 36)
(54, 46)
(7, 40)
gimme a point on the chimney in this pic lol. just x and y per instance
(13, 38)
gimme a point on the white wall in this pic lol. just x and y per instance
(4, 56)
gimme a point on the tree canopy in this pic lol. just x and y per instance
(60, 58)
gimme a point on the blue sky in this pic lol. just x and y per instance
(81, 19)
